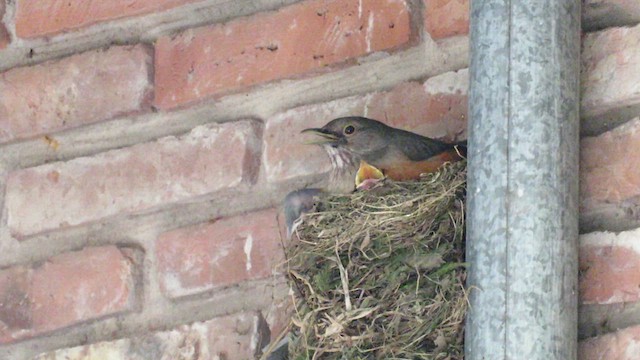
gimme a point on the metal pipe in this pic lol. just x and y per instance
(522, 220)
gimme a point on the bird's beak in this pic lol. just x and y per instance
(324, 136)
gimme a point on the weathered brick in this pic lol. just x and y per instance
(46, 17)
(234, 337)
(609, 180)
(610, 267)
(437, 108)
(278, 316)
(609, 167)
(4, 34)
(67, 289)
(600, 14)
(293, 40)
(77, 90)
(623, 344)
(610, 78)
(228, 251)
(4, 37)
(132, 179)
(444, 18)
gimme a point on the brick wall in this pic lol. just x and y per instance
(609, 317)
(145, 147)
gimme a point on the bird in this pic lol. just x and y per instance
(362, 151)
(399, 154)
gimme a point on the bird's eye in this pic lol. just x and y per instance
(349, 129)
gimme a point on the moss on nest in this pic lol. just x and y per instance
(379, 274)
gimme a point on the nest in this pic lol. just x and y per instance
(380, 274)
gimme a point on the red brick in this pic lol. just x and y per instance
(437, 108)
(228, 251)
(609, 166)
(4, 34)
(610, 267)
(234, 337)
(610, 275)
(132, 179)
(67, 289)
(610, 76)
(4, 37)
(444, 18)
(293, 40)
(621, 345)
(46, 17)
(279, 315)
(77, 90)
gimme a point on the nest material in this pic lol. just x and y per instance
(379, 274)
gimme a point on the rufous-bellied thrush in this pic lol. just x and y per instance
(365, 149)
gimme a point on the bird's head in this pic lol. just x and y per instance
(357, 135)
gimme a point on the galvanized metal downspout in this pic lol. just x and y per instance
(522, 220)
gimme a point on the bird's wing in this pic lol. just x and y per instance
(417, 148)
